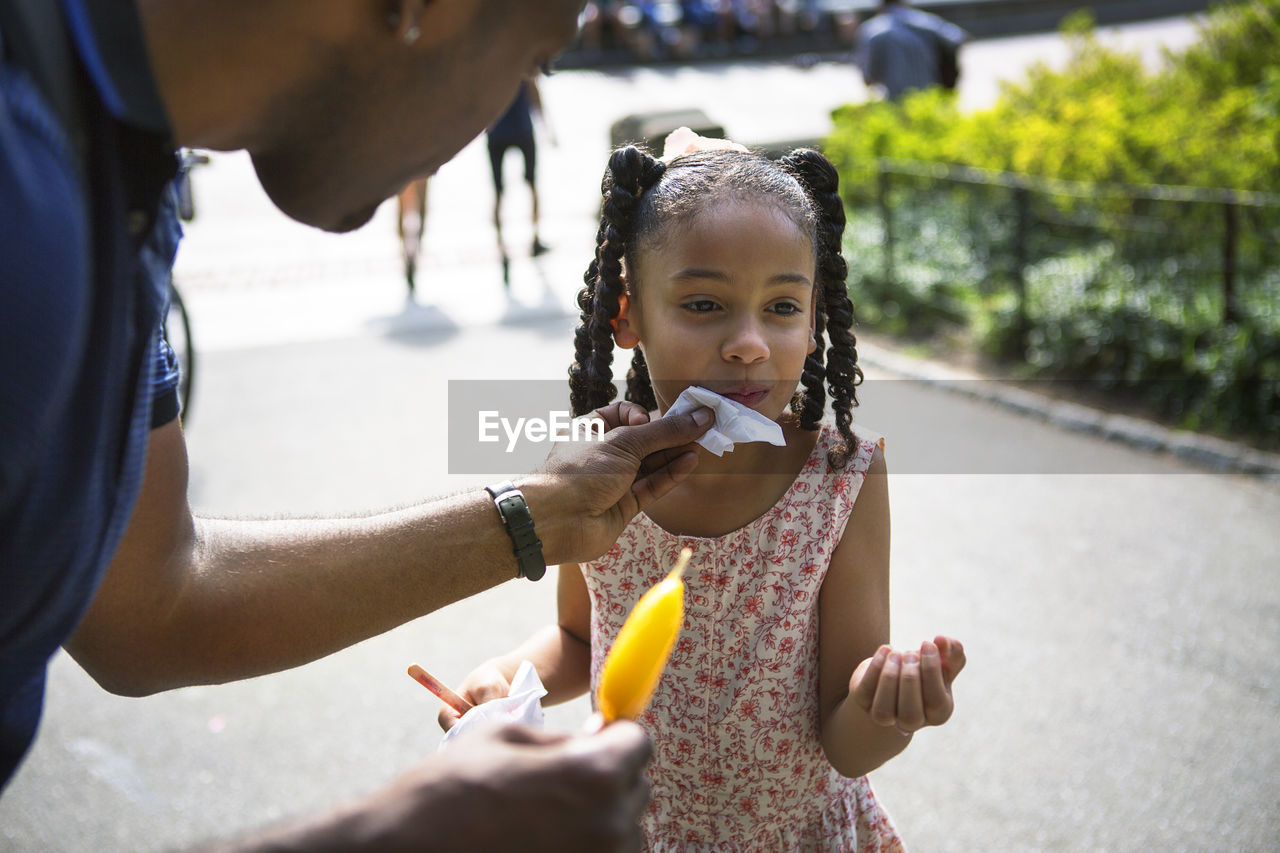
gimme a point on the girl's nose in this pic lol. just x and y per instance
(746, 343)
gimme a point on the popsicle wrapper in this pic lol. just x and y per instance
(522, 705)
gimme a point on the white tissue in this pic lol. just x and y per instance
(522, 705)
(734, 421)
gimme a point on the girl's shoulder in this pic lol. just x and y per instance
(830, 449)
(833, 473)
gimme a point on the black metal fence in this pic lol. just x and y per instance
(1150, 287)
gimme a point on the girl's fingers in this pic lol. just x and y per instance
(953, 659)
(867, 677)
(938, 704)
(484, 686)
(912, 690)
(482, 693)
(884, 708)
(447, 718)
(910, 696)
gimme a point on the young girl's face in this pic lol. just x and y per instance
(725, 301)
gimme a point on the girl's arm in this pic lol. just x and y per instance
(561, 653)
(871, 697)
(853, 622)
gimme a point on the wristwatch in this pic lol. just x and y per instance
(519, 523)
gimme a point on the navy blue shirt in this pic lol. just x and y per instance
(84, 372)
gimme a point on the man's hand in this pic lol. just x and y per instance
(519, 787)
(509, 787)
(594, 488)
(909, 690)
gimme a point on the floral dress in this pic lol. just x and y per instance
(738, 763)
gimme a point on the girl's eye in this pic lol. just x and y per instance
(700, 306)
(786, 309)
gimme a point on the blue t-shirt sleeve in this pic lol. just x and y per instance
(156, 268)
(165, 374)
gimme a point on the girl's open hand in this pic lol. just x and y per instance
(484, 683)
(909, 690)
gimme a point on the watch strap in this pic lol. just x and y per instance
(525, 543)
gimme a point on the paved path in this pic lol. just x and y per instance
(1120, 619)
(1120, 626)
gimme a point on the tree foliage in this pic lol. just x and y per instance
(1169, 296)
(1210, 117)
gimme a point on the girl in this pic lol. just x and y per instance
(723, 269)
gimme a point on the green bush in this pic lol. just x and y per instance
(1123, 288)
(1211, 118)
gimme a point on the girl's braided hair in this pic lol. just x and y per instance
(643, 197)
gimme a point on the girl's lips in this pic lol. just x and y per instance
(748, 396)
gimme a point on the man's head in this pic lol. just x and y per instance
(342, 102)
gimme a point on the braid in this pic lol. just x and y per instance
(639, 386)
(581, 389)
(835, 310)
(630, 173)
(810, 403)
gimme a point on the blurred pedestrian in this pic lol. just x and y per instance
(598, 25)
(699, 24)
(411, 205)
(903, 50)
(514, 129)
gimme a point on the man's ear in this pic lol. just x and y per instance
(624, 333)
(405, 19)
(429, 21)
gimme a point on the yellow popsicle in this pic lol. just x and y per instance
(639, 654)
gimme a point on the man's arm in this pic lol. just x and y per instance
(191, 600)
(196, 601)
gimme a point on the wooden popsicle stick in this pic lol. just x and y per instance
(447, 696)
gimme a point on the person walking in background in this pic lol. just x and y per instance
(411, 204)
(903, 50)
(514, 129)
(723, 269)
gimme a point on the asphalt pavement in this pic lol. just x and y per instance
(1118, 605)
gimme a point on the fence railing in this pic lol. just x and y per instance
(1121, 283)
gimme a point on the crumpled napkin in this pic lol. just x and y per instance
(734, 421)
(522, 705)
